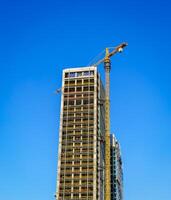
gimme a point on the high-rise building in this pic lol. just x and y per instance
(116, 170)
(81, 136)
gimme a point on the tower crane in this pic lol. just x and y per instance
(107, 67)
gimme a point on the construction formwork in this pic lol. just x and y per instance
(81, 136)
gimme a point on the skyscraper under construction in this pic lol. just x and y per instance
(81, 153)
(81, 137)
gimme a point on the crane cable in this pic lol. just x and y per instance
(96, 58)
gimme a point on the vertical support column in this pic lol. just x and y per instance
(107, 67)
(95, 137)
(60, 140)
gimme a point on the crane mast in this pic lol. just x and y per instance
(107, 67)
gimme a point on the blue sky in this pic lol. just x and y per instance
(40, 38)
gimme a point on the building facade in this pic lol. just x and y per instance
(81, 136)
(116, 170)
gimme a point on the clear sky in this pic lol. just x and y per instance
(40, 38)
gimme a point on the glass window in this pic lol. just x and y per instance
(86, 73)
(72, 74)
(79, 74)
(91, 72)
